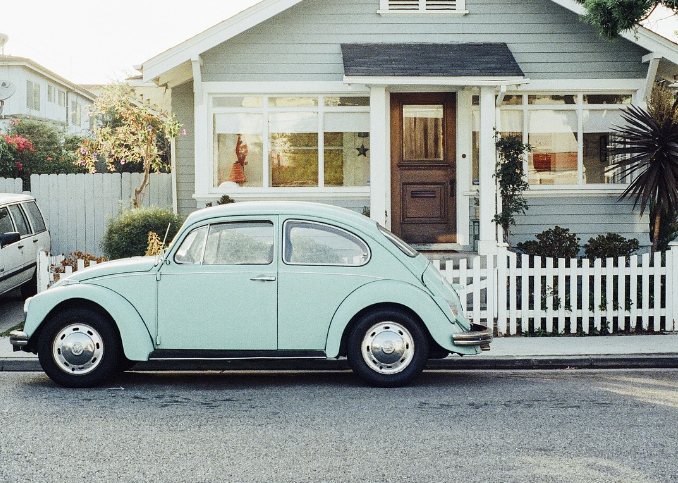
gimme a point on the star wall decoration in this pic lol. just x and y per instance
(362, 150)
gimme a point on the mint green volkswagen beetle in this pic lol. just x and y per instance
(250, 281)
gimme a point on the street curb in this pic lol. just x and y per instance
(630, 361)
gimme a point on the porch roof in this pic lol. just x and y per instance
(467, 60)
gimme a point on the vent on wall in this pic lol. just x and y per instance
(423, 6)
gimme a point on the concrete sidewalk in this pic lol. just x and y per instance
(615, 351)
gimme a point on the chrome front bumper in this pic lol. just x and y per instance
(479, 335)
(18, 339)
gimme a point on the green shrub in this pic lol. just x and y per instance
(127, 235)
(610, 245)
(555, 243)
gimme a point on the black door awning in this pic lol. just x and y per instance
(457, 60)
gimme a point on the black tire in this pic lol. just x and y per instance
(387, 348)
(79, 348)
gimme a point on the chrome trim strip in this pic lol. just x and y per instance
(473, 338)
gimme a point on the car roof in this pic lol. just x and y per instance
(14, 198)
(288, 208)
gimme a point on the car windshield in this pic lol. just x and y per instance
(402, 246)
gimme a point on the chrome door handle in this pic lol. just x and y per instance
(263, 279)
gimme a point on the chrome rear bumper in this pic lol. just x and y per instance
(18, 339)
(479, 335)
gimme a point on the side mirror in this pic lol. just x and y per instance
(9, 238)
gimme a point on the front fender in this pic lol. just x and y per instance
(399, 293)
(136, 339)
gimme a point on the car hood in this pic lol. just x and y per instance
(115, 267)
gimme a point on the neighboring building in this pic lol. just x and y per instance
(147, 92)
(43, 95)
(393, 105)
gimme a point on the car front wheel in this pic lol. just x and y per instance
(387, 348)
(79, 348)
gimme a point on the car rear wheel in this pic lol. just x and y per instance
(79, 348)
(387, 348)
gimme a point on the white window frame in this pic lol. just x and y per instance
(32, 95)
(579, 107)
(410, 7)
(266, 109)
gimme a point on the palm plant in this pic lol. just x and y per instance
(648, 148)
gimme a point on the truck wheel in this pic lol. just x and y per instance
(79, 348)
(387, 348)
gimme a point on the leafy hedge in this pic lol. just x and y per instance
(127, 235)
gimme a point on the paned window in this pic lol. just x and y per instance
(570, 135)
(290, 142)
(32, 95)
(51, 93)
(62, 98)
(76, 113)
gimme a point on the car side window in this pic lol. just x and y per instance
(6, 225)
(19, 220)
(35, 217)
(191, 249)
(311, 243)
(240, 243)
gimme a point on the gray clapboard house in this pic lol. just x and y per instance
(392, 105)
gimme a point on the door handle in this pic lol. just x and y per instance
(263, 279)
(453, 187)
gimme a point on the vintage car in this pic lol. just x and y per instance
(250, 281)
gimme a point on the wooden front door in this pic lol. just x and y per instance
(423, 170)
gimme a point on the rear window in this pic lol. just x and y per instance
(402, 246)
(35, 217)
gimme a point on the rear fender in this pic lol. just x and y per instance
(390, 292)
(136, 339)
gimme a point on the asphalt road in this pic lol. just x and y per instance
(474, 426)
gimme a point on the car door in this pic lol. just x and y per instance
(321, 265)
(10, 255)
(26, 246)
(218, 290)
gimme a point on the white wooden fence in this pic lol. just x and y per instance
(77, 207)
(11, 185)
(518, 294)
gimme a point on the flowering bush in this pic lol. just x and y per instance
(128, 132)
(13, 150)
(34, 147)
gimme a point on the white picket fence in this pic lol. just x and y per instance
(518, 294)
(78, 207)
(50, 269)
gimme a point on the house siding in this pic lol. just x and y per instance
(182, 106)
(302, 43)
(586, 216)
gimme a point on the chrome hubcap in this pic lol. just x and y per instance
(387, 348)
(77, 349)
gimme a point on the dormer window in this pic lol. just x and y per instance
(449, 7)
